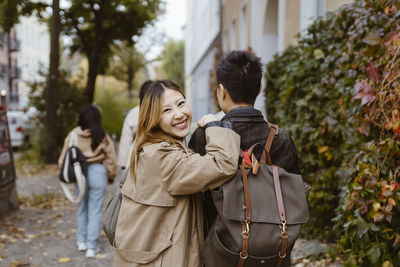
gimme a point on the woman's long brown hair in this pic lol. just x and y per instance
(149, 117)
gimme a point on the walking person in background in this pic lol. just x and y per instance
(160, 220)
(98, 149)
(129, 130)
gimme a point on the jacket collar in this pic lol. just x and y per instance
(241, 113)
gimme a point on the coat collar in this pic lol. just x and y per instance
(244, 112)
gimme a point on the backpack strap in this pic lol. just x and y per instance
(282, 215)
(266, 157)
(245, 224)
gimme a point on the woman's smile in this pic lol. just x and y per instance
(181, 125)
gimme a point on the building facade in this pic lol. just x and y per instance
(33, 55)
(9, 68)
(265, 26)
(202, 32)
(22, 54)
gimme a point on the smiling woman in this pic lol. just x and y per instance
(160, 219)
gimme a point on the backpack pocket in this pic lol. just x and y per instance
(215, 254)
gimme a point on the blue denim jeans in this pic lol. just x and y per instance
(91, 206)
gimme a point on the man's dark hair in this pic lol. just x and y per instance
(143, 89)
(240, 73)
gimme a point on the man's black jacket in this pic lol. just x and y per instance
(252, 128)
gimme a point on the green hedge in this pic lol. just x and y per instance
(314, 90)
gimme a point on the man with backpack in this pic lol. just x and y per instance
(239, 76)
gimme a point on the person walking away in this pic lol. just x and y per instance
(98, 149)
(160, 220)
(239, 76)
(129, 130)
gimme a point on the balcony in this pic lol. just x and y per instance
(14, 98)
(2, 39)
(15, 73)
(3, 70)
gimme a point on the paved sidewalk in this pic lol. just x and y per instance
(44, 234)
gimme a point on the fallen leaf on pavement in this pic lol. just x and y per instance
(64, 260)
(100, 256)
(18, 264)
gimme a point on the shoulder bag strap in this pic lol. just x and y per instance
(245, 224)
(73, 139)
(80, 177)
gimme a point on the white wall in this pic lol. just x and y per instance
(308, 13)
(201, 100)
(202, 28)
(35, 52)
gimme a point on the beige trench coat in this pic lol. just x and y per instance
(160, 221)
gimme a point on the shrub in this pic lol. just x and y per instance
(368, 221)
(309, 91)
(71, 99)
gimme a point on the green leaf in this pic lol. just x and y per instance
(372, 39)
(374, 253)
(362, 227)
(374, 228)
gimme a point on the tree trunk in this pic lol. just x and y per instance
(91, 82)
(130, 83)
(51, 154)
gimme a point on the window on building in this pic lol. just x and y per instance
(243, 27)
(232, 35)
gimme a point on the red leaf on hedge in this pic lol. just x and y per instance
(396, 129)
(372, 72)
(388, 125)
(365, 93)
(379, 217)
(372, 39)
(395, 114)
(388, 218)
(363, 209)
(350, 205)
(364, 129)
(389, 37)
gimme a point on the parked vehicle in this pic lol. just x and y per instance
(18, 124)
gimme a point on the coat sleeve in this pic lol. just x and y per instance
(64, 150)
(188, 172)
(127, 136)
(110, 162)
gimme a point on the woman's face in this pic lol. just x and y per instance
(176, 114)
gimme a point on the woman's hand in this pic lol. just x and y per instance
(206, 119)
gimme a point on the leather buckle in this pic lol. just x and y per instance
(282, 256)
(244, 256)
(247, 231)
